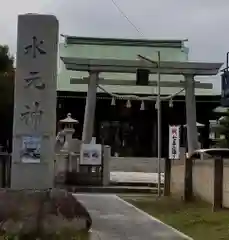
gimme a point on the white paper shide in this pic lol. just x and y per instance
(174, 142)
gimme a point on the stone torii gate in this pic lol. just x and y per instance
(188, 69)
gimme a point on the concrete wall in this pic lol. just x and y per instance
(116, 164)
(202, 179)
(177, 178)
(131, 164)
(226, 184)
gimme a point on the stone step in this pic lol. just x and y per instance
(135, 184)
(111, 189)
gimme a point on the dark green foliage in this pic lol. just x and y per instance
(6, 60)
(6, 94)
(223, 129)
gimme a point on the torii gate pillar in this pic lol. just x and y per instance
(190, 100)
(89, 114)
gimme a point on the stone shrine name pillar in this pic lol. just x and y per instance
(34, 126)
(190, 99)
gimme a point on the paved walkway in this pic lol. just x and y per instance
(132, 177)
(114, 219)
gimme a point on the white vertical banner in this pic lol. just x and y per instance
(174, 142)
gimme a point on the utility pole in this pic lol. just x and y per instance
(158, 107)
(159, 123)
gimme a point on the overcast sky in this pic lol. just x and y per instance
(203, 22)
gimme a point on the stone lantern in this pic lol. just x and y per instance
(68, 130)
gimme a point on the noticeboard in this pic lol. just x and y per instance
(31, 147)
(91, 154)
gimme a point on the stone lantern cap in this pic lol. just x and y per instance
(69, 120)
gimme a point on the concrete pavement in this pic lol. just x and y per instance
(115, 219)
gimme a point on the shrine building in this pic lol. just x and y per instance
(130, 127)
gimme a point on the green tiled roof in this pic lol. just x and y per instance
(125, 42)
(123, 49)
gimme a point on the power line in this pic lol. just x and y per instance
(126, 17)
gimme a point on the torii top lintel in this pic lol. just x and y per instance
(130, 66)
